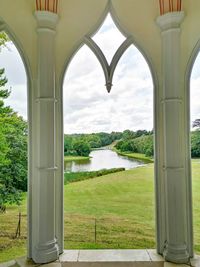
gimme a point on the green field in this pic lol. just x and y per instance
(196, 202)
(121, 203)
(111, 211)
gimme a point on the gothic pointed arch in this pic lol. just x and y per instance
(109, 68)
(109, 71)
(4, 27)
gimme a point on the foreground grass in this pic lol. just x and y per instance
(16, 249)
(119, 194)
(11, 247)
(112, 202)
(196, 202)
(120, 206)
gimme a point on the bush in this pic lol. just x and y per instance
(195, 144)
(142, 144)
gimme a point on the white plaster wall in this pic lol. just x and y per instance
(78, 17)
(190, 30)
(18, 15)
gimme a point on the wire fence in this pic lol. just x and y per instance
(107, 232)
(83, 231)
(12, 227)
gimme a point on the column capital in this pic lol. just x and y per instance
(46, 20)
(171, 20)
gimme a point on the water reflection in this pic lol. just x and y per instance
(102, 159)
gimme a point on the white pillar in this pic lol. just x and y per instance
(178, 224)
(44, 242)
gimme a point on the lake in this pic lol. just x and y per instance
(102, 159)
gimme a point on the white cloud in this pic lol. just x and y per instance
(11, 61)
(18, 100)
(108, 38)
(87, 105)
(89, 108)
(195, 91)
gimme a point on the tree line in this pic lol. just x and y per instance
(82, 144)
(195, 139)
(140, 141)
(137, 142)
(13, 147)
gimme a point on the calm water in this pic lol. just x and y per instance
(102, 159)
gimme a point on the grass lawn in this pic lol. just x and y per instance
(111, 211)
(122, 204)
(11, 247)
(196, 202)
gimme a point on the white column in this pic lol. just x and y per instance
(178, 245)
(44, 242)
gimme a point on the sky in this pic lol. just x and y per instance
(11, 61)
(88, 107)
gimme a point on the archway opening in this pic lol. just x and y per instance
(13, 155)
(104, 203)
(195, 148)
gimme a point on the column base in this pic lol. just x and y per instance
(45, 253)
(176, 253)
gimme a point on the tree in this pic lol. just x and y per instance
(142, 144)
(14, 170)
(195, 144)
(196, 123)
(13, 147)
(141, 132)
(128, 134)
(3, 39)
(3, 145)
(3, 94)
(13, 156)
(93, 140)
(82, 148)
(68, 145)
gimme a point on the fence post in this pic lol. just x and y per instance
(95, 230)
(18, 231)
(20, 216)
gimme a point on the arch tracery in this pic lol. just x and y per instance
(108, 68)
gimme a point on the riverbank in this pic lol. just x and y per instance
(75, 158)
(101, 159)
(71, 177)
(137, 156)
